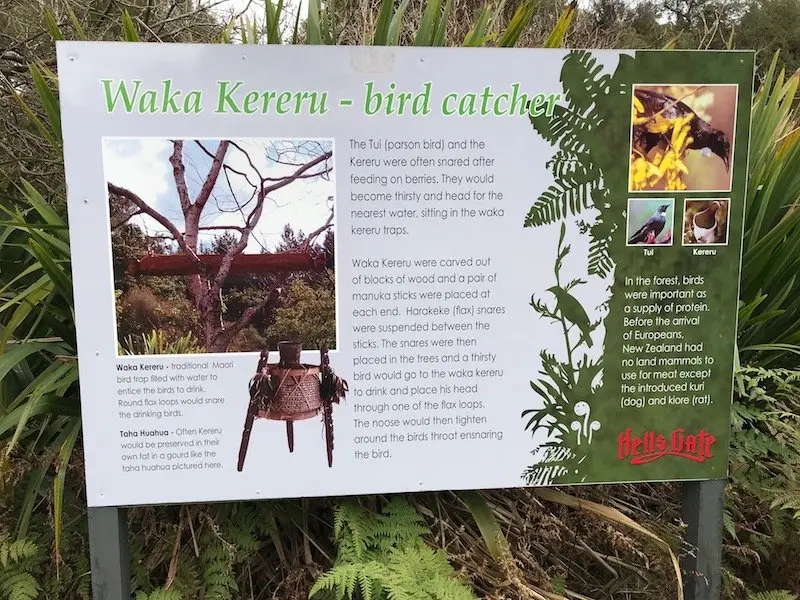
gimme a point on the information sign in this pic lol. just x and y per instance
(313, 271)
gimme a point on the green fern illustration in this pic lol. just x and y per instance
(567, 387)
(19, 563)
(579, 178)
(384, 555)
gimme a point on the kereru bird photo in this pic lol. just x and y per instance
(648, 233)
(709, 140)
(708, 223)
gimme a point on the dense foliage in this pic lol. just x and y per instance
(156, 307)
(531, 544)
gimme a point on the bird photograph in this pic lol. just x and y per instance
(649, 222)
(705, 222)
(682, 137)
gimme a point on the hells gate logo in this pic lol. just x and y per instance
(651, 446)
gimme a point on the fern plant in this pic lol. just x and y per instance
(383, 555)
(765, 436)
(19, 567)
(763, 501)
(159, 594)
(216, 548)
(773, 595)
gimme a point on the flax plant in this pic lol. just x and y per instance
(769, 319)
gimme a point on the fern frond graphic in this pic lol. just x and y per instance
(576, 130)
(562, 199)
(584, 86)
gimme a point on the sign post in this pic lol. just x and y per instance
(439, 255)
(703, 507)
(109, 553)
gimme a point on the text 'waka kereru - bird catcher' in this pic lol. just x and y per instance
(288, 390)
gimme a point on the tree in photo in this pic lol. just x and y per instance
(207, 251)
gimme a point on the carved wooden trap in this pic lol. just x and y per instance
(292, 391)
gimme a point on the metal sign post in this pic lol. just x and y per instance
(702, 506)
(109, 553)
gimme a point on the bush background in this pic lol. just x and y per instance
(576, 543)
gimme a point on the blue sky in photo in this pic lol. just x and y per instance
(142, 166)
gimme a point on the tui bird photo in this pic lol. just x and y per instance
(650, 230)
(653, 128)
(703, 134)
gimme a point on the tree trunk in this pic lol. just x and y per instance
(209, 306)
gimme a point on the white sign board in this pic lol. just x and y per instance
(494, 276)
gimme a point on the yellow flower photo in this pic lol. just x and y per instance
(682, 137)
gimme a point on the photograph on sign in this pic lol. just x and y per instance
(200, 262)
(682, 137)
(650, 221)
(442, 274)
(705, 222)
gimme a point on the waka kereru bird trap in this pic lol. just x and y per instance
(291, 391)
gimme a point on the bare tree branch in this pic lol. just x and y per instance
(317, 232)
(255, 215)
(162, 220)
(213, 174)
(220, 227)
(179, 175)
(118, 224)
(298, 174)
